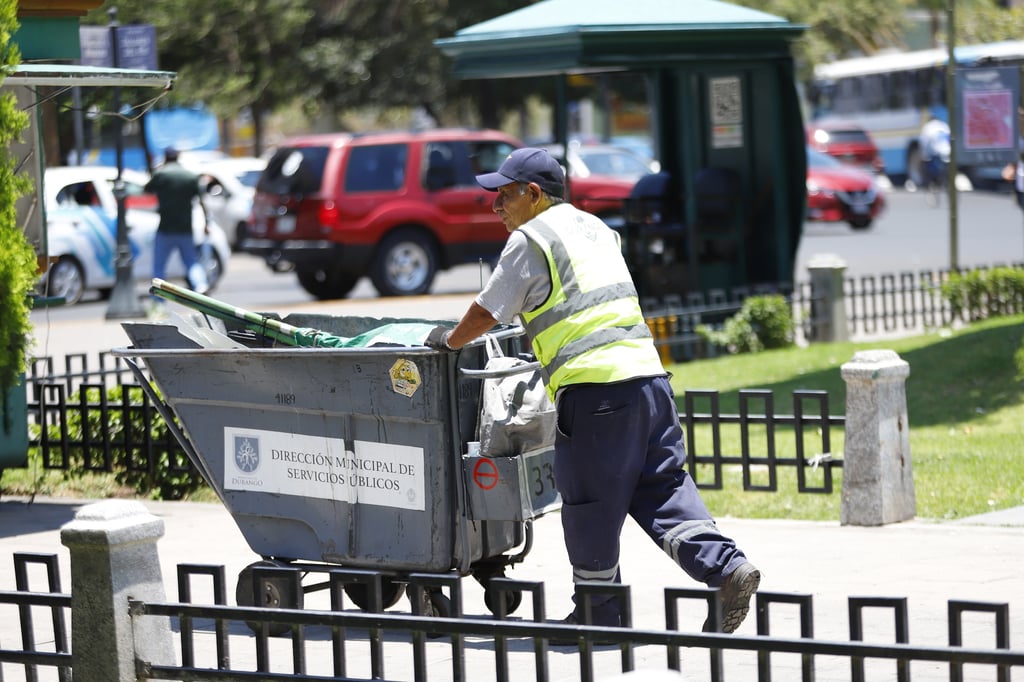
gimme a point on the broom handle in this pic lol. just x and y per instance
(261, 324)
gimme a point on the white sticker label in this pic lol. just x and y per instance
(356, 471)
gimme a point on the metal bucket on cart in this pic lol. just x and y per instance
(346, 457)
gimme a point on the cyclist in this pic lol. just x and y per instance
(933, 142)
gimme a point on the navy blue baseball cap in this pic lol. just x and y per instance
(528, 164)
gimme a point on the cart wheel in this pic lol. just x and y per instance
(275, 594)
(390, 592)
(440, 605)
(435, 605)
(512, 598)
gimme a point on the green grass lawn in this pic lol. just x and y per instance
(965, 405)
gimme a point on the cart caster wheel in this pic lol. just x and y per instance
(275, 594)
(390, 592)
(435, 604)
(512, 598)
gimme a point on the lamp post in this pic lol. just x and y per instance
(123, 301)
(951, 107)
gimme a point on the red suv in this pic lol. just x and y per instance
(395, 206)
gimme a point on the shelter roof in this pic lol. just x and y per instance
(554, 36)
(36, 74)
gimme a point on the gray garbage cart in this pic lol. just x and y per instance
(347, 457)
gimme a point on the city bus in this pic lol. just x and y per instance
(891, 96)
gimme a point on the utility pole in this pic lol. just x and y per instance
(124, 304)
(951, 107)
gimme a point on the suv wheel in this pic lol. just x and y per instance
(405, 265)
(325, 284)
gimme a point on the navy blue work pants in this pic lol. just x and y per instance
(619, 450)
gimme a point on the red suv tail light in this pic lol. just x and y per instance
(328, 215)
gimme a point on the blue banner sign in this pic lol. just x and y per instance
(136, 46)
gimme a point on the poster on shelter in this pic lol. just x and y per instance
(726, 97)
(987, 115)
(988, 119)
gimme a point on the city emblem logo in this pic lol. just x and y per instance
(247, 453)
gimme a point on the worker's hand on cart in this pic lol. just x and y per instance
(438, 338)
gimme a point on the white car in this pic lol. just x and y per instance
(230, 184)
(81, 232)
(586, 160)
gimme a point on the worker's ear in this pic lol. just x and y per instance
(535, 192)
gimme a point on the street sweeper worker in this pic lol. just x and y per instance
(619, 444)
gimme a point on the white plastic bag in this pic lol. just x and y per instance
(516, 415)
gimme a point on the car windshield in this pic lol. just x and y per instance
(841, 136)
(612, 162)
(249, 178)
(816, 159)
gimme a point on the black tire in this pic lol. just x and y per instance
(440, 605)
(390, 592)
(512, 598)
(324, 284)
(274, 595)
(405, 265)
(214, 271)
(861, 223)
(66, 278)
(241, 232)
(435, 604)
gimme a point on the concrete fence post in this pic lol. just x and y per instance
(828, 299)
(878, 479)
(113, 558)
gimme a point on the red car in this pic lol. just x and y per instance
(848, 143)
(839, 192)
(395, 206)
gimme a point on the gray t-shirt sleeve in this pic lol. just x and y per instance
(520, 281)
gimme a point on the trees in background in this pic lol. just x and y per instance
(334, 56)
(837, 30)
(326, 55)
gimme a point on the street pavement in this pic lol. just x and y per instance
(929, 563)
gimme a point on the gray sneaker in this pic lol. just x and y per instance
(735, 594)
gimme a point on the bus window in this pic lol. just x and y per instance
(922, 88)
(873, 93)
(847, 96)
(900, 91)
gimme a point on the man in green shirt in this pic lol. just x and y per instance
(176, 188)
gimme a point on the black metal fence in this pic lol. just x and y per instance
(96, 418)
(221, 642)
(875, 306)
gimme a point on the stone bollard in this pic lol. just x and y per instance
(828, 307)
(878, 479)
(114, 558)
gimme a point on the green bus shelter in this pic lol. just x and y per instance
(727, 209)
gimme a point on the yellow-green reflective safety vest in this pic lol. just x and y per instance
(591, 329)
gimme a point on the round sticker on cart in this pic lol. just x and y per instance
(405, 377)
(485, 474)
